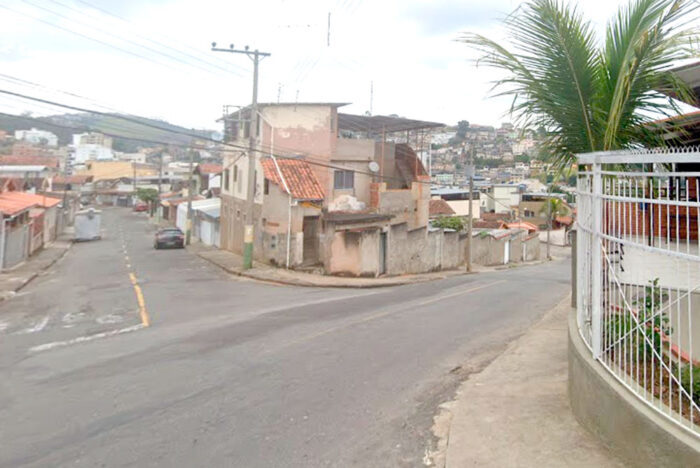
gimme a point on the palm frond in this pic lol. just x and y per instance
(590, 97)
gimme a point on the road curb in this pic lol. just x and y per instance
(308, 284)
(34, 275)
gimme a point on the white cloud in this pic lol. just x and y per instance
(406, 48)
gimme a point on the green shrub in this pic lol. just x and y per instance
(449, 222)
(694, 391)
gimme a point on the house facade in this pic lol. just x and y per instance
(330, 191)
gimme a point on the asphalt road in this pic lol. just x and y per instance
(238, 373)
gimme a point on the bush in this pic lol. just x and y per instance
(685, 381)
(449, 222)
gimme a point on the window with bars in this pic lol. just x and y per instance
(344, 180)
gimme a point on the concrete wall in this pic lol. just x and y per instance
(461, 207)
(351, 149)
(306, 130)
(354, 253)
(531, 248)
(421, 251)
(556, 237)
(16, 245)
(488, 251)
(622, 422)
(516, 250)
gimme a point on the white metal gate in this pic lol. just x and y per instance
(638, 274)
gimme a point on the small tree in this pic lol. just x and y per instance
(553, 208)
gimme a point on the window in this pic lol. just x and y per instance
(344, 180)
(235, 173)
(227, 174)
(266, 185)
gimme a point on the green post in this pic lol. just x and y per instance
(248, 247)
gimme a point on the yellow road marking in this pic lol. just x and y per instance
(145, 319)
(386, 313)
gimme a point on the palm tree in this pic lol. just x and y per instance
(554, 207)
(551, 209)
(592, 95)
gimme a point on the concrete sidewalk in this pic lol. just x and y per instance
(516, 411)
(233, 264)
(15, 279)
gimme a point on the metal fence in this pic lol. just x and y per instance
(638, 274)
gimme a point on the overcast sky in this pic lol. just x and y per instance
(406, 48)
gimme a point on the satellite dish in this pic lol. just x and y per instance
(373, 166)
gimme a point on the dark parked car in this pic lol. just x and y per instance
(169, 237)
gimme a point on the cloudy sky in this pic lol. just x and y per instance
(153, 58)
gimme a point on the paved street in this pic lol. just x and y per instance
(233, 372)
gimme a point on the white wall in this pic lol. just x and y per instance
(92, 152)
(36, 136)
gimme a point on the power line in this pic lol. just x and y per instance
(125, 20)
(128, 41)
(153, 41)
(316, 160)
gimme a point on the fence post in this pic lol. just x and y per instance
(574, 261)
(596, 264)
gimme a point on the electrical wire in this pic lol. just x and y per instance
(128, 41)
(310, 159)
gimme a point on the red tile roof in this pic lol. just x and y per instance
(299, 177)
(39, 200)
(209, 168)
(11, 204)
(439, 206)
(29, 160)
(522, 225)
(488, 224)
(568, 220)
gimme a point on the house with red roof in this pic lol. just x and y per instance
(15, 225)
(345, 193)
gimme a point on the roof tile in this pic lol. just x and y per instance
(299, 177)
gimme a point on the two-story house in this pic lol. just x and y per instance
(337, 195)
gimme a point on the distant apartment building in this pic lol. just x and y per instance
(92, 146)
(501, 198)
(38, 137)
(338, 195)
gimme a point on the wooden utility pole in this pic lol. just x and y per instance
(249, 228)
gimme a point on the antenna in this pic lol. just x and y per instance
(328, 34)
(371, 96)
(279, 92)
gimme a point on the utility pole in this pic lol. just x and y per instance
(188, 229)
(249, 229)
(470, 168)
(160, 179)
(133, 199)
